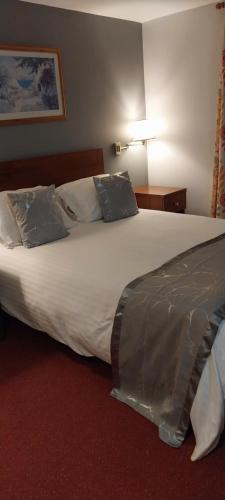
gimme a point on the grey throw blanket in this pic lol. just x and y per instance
(164, 329)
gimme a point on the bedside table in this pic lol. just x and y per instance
(168, 199)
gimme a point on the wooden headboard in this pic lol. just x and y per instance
(55, 169)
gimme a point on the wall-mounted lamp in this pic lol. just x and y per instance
(140, 131)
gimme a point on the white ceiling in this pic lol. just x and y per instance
(132, 10)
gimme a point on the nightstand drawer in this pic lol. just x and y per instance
(143, 201)
(175, 202)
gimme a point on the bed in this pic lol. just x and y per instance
(74, 299)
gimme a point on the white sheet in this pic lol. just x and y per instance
(70, 288)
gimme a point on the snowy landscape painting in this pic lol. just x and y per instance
(30, 85)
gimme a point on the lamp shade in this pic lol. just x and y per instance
(141, 130)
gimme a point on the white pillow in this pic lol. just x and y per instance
(81, 197)
(69, 218)
(9, 232)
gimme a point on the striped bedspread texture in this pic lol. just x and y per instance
(70, 288)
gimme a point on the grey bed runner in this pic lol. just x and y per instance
(164, 329)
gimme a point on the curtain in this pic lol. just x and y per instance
(218, 194)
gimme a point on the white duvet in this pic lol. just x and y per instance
(70, 289)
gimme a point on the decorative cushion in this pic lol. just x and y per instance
(81, 198)
(116, 196)
(38, 216)
(9, 232)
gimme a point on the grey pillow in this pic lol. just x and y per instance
(116, 196)
(38, 216)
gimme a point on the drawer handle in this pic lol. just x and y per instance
(177, 204)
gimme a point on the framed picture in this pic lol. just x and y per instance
(31, 85)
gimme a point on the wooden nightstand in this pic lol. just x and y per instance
(169, 199)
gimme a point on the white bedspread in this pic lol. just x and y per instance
(70, 289)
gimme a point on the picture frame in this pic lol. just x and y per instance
(31, 85)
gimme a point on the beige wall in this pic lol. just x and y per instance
(181, 60)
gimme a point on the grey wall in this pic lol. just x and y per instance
(104, 83)
(182, 56)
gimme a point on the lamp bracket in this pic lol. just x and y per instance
(118, 147)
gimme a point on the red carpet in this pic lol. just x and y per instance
(62, 436)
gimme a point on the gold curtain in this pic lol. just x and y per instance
(218, 194)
